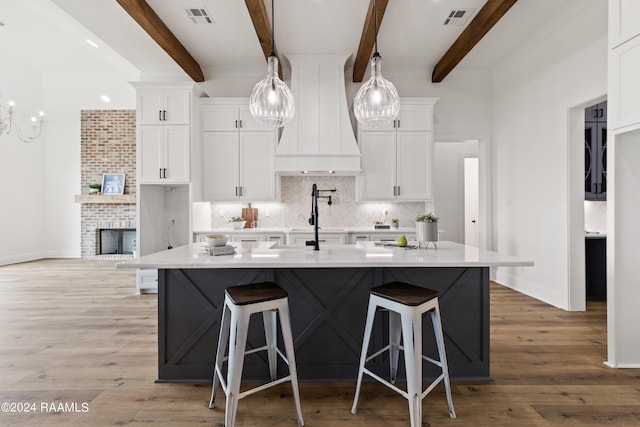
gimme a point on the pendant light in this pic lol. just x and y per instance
(271, 102)
(377, 102)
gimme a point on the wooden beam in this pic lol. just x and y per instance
(367, 40)
(261, 24)
(147, 18)
(480, 25)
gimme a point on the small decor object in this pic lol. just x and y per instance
(237, 222)
(427, 229)
(217, 240)
(95, 188)
(395, 222)
(113, 183)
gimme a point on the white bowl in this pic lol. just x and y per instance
(217, 240)
(238, 225)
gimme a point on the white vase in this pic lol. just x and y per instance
(426, 231)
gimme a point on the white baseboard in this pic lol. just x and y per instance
(24, 257)
(529, 288)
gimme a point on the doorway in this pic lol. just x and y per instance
(471, 207)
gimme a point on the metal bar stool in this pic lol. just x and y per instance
(240, 302)
(406, 304)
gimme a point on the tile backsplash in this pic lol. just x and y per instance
(295, 206)
(595, 216)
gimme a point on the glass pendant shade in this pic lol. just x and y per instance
(377, 102)
(271, 102)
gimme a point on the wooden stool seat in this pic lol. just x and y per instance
(255, 293)
(404, 293)
(405, 304)
(240, 302)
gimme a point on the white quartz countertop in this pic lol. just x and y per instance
(364, 254)
(371, 230)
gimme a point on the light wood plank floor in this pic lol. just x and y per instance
(73, 332)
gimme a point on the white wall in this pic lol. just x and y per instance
(448, 186)
(561, 66)
(66, 94)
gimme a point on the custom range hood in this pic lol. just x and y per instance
(320, 138)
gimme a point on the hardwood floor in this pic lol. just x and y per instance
(73, 332)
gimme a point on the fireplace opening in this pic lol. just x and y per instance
(116, 241)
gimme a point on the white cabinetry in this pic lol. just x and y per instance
(157, 106)
(247, 236)
(163, 154)
(380, 237)
(238, 154)
(163, 134)
(397, 160)
(300, 239)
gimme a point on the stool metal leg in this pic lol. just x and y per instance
(413, 367)
(371, 313)
(287, 337)
(223, 338)
(394, 344)
(437, 329)
(237, 345)
(270, 323)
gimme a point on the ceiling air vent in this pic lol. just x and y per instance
(199, 15)
(458, 17)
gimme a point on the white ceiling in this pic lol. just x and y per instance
(412, 35)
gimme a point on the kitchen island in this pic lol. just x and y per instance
(328, 296)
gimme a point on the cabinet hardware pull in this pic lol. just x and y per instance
(240, 123)
(160, 172)
(394, 190)
(398, 122)
(236, 124)
(159, 115)
(164, 173)
(601, 110)
(236, 191)
(595, 113)
(164, 115)
(398, 190)
(321, 240)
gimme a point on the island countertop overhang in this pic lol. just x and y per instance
(364, 254)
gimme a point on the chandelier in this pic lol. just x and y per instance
(8, 123)
(377, 102)
(271, 102)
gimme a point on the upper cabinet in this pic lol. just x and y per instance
(238, 153)
(163, 133)
(397, 160)
(595, 152)
(159, 107)
(624, 16)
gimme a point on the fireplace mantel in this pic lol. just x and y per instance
(106, 199)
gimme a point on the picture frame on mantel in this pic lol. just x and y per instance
(113, 184)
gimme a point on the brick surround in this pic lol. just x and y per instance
(107, 145)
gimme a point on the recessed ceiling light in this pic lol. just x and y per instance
(92, 43)
(105, 98)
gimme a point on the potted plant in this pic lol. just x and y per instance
(395, 222)
(427, 228)
(237, 222)
(94, 188)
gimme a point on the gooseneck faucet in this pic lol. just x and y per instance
(313, 219)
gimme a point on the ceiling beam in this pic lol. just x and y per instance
(367, 40)
(261, 24)
(147, 18)
(485, 19)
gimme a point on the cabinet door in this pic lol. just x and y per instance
(414, 117)
(220, 165)
(221, 117)
(150, 106)
(358, 237)
(150, 154)
(177, 107)
(414, 164)
(257, 157)
(247, 122)
(378, 156)
(601, 168)
(176, 155)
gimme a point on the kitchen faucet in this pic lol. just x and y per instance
(313, 219)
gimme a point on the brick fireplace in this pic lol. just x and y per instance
(107, 145)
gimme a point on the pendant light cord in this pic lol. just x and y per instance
(273, 38)
(375, 25)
